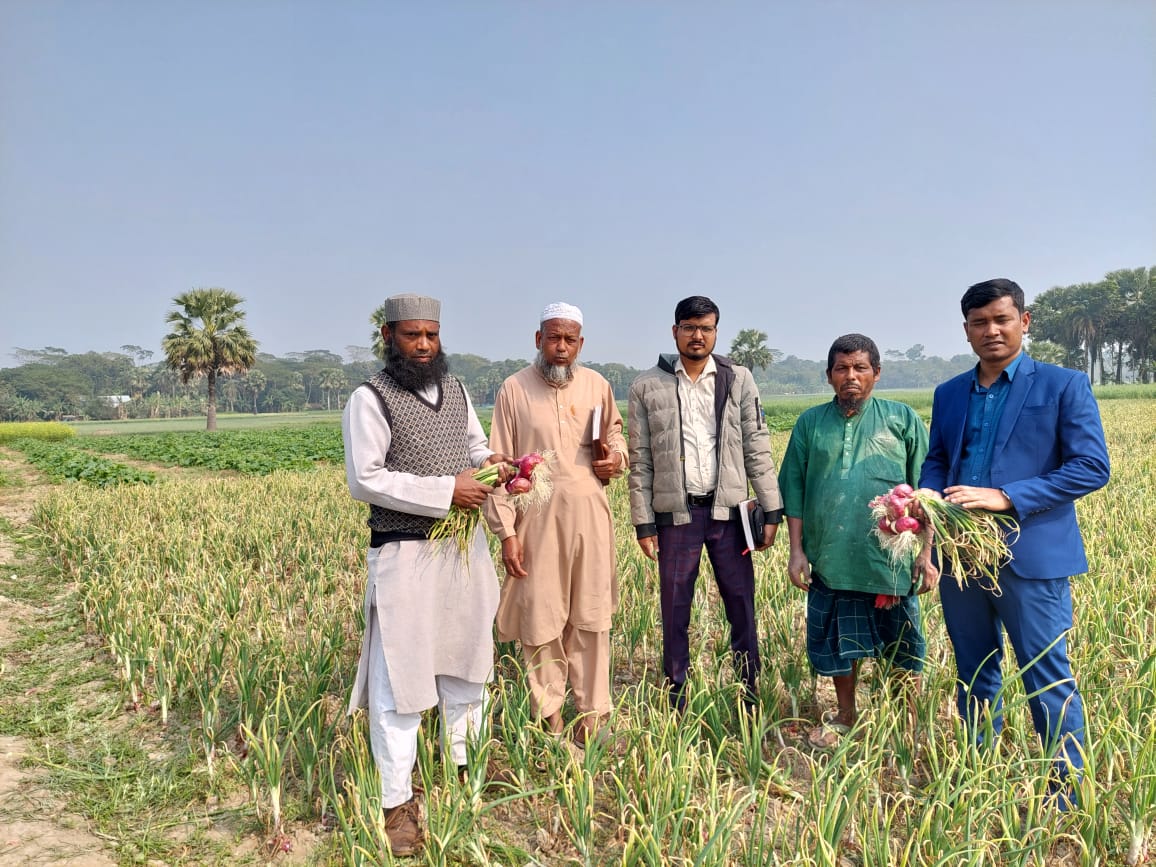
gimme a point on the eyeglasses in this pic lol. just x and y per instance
(688, 330)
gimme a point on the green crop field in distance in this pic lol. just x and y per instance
(225, 421)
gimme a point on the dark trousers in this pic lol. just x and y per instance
(1037, 615)
(679, 554)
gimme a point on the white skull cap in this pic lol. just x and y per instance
(561, 310)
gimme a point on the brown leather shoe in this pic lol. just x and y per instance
(495, 775)
(403, 828)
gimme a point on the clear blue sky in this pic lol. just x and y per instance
(815, 167)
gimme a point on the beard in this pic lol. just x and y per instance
(414, 375)
(850, 405)
(554, 374)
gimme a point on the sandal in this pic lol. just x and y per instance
(827, 735)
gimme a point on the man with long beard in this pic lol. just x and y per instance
(412, 439)
(561, 589)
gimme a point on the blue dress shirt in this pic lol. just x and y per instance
(984, 408)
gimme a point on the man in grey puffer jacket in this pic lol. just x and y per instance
(698, 443)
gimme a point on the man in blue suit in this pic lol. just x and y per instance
(1018, 436)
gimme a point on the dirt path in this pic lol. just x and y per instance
(33, 828)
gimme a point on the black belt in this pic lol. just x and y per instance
(703, 501)
(377, 538)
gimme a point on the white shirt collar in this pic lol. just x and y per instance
(710, 368)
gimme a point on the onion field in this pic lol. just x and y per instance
(229, 605)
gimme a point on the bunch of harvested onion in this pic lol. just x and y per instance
(972, 543)
(532, 485)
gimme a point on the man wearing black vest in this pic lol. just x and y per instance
(412, 441)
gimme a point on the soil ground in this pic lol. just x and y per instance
(33, 827)
(37, 826)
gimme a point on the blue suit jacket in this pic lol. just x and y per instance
(1049, 450)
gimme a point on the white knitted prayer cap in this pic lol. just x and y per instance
(561, 310)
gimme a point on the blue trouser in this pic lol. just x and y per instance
(679, 554)
(1036, 615)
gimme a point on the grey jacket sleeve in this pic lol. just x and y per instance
(641, 466)
(760, 466)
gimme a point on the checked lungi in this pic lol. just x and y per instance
(845, 625)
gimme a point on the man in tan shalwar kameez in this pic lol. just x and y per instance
(561, 586)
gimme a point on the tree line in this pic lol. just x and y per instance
(1104, 328)
(209, 341)
(53, 384)
(1107, 329)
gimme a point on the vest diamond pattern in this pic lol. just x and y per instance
(426, 441)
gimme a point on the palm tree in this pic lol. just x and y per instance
(208, 339)
(1142, 329)
(24, 409)
(230, 390)
(1127, 328)
(329, 380)
(749, 348)
(257, 382)
(139, 382)
(1088, 318)
(377, 319)
(297, 384)
(1054, 320)
(1048, 351)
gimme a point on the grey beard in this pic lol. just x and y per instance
(411, 375)
(555, 374)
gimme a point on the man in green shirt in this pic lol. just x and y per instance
(841, 455)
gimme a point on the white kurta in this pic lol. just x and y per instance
(435, 606)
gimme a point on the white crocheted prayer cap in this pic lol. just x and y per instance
(399, 308)
(561, 310)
